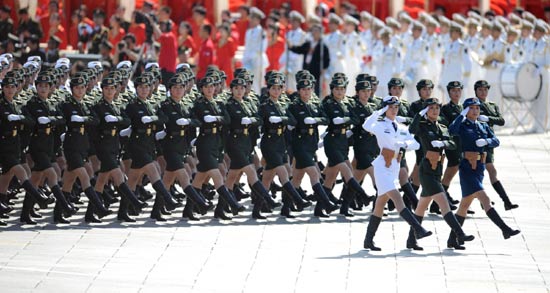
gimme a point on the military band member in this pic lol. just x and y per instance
(434, 139)
(475, 137)
(392, 137)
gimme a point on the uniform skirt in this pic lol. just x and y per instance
(208, 151)
(141, 151)
(107, 152)
(430, 179)
(386, 179)
(273, 150)
(239, 150)
(303, 148)
(471, 181)
(10, 154)
(336, 148)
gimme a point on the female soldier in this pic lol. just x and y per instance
(79, 118)
(111, 120)
(338, 111)
(11, 122)
(475, 138)
(141, 148)
(434, 138)
(275, 118)
(391, 137)
(175, 146)
(239, 147)
(211, 117)
(41, 147)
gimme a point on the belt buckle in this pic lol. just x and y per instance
(310, 131)
(343, 131)
(214, 130)
(81, 129)
(113, 132)
(182, 132)
(245, 131)
(14, 132)
(48, 130)
(148, 131)
(279, 131)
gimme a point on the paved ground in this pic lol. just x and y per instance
(299, 255)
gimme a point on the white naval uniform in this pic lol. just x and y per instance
(457, 64)
(525, 47)
(352, 59)
(387, 179)
(388, 63)
(254, 56)
(434, 61)
(366, 51)
(292, 62)
(477, 52)
(335, 44)
(540, 55)
(496, 48)
(415, 66)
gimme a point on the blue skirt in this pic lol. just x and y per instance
(471, 181)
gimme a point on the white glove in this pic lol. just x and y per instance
(401, 145)
(182, 121)
(424, 111)
(323, 135)
(465, 111)
(246, 121)
(146, 119)
(310, 120)
(481, 142)
(44, 120)
(14, 117)
(338, 120)
(210, 119)
(349, 133)
(160, 135)
(382, 111)
(483, 118)
(437, 144)
(400, 119)
(77, 118)
(290, 127)
(126, 132)
(320, 144)
(62, 137)
(193, 142)
(275, 119)
(111, 118)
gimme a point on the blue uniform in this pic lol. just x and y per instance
(469, 131)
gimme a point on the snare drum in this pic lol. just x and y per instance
(522, 81)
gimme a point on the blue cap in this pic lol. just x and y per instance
(471, 102)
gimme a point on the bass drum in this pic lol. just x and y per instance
(521, 82)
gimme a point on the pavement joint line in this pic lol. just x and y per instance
(207, 258)
(19, 251)
(255, 258)
(158, 259)
(486, 254)
(350, 245)
(302, 259)
(31, 269)
(442, 256)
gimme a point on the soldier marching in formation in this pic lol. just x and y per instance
(107, 135)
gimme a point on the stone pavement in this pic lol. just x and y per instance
(297, 255)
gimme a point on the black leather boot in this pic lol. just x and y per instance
(287, 203)
(90, 217)
(169, 202)
(229, 198)
(448, 195)
(156, 211)
(94, 199)
(368, 243)
(201, 203)
(257, 208)
(219, 210)
(58, 214)
(330, 196)
(61, 201)
(451, 220)
(263, 195)
(409, 193)
(188, 211)
(28, 204)
(289, 189)
(411, 240)
(355, 186)
(507, 232)
(323, 199)
(508, 205)
(453, 242)
(122, 214)
(131, 197)
(42, 201)
(419, 231)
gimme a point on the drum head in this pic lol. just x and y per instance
(528, 82)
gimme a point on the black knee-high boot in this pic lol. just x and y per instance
(42, 201)
(331, 196)
(453, 242)
(28, 203)
(411, 240)
(507, 232)
(229, 198)
(355, 186)
(323, 198)
(448, 195)
(188, 211)
(219, 211)
(368, 243)
(452, 221)
(289, 189)
(94, 199)
(167, 198)
(89, 216)
(419, 231)
(200, 202)
(263, 195)
(287, 205)
(508, 205)
(61, 201)
(409, 193)
(157, 206)
(122, 214)
(344, 207)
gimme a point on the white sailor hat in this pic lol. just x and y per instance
(514, 18)
(151, 64)
(255, 12)
(181, 65)
(95, 65)
(485, 23)
(334, 18)
(32, 64)
(350, 19)
(423, 15)
(444, 21)
(392, 22)
(502, 20)
(472, 22)
(313, 18)
(8, 56)
(36, 59)
(497, 27)
(455, 26)
(386, 31)
(541, 26)
(475, 15)
(417, 25)
(457, 17)
(525, 24)
(529, 16)
(63, 60)
(295, 15)
(512, 31)
(430, 21)
(124, 64)
(405, 17)
(378, 24)
(365, 15)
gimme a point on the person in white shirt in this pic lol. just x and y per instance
(254, 56)
(393, 139)
(334, 40)
(291, 62)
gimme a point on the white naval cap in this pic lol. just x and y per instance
(124, 64)
(365, 15)
(8, 56)
(350, 19)
(33, 64)
(152, 64)
(95, 64)
(255, 12)
(295, 15)
(334, 18)
(181, 65)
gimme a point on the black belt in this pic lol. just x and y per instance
(338, 131)
(109, 132)
(46, 131)
(213, 130)
(243, 131)
(176, 133)
(309, 131)
(277, 131)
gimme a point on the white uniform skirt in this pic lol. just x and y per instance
(386, 179)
